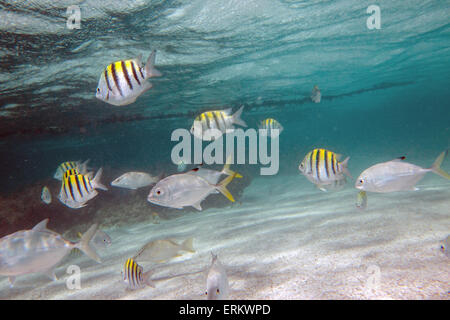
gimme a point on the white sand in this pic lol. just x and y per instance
(299, 243)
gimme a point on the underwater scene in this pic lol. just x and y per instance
(224, 149)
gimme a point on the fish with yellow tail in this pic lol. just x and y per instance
(122, 82)
(133, 275)
(217, 121)
(185, 189)
(323, 168)
(397, 175)
(39, 250)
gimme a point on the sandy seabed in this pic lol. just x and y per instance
(284, 240)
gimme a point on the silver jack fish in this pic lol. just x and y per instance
(163, 250)
(217, 287)
(220, 120)
(77, 189)
(134, 180)
(397, 175)
(323, 168)
(184, 189)
(213, 176)
(39, 250)
(123, 81)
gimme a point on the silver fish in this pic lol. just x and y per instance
(39, 250)
(46, 196)
(219, 120)
(100, 240)
(445, 246)
(396, 175)
(121, 82)
(134, 180)
(163, 250)
(184, 189)
(81, 167)
(361, 200)
(316, 96)
(213, 176)
(217, 287)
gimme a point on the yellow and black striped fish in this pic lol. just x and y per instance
(67, 165)
(121, 82)
(220, 120)
(77, 189)
(133, 275)
(322, 167)
(269, 124)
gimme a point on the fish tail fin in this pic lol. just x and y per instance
(226, 169)
(147, 280)
(84, 245)
(150, 70)
(188, 245)
(344, 165)
(222, 187)
(96, 181)
(436, 167)
(237, 117)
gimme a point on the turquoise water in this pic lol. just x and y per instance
(384, 95)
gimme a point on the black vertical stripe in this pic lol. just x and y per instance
(333, 161)
(142, 75)
(310, 162)
(70, 188)
(125, 73)
(216, 120)
(208, 124)
(107, 80)
(78, 186)
(116, 80)
(326, 163)
(133, 68)
(317, 163)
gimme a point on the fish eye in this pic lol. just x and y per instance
(158, 192)
(361, 181)
(206, 293)
(98, 90)
(217, 291)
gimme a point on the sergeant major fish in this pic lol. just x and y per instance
(134, 276)
(39, 250)
(134, 180)
(270, 127)
(123, 81)
(397, 175)
(184, 189)
(217, 287)
(77, 189)
(322, 167)
(163, 250)
(220, 120)
(68, 165)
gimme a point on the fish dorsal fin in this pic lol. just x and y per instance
(228, 111)
(399, 159)
(41, 226)
(139, 60)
